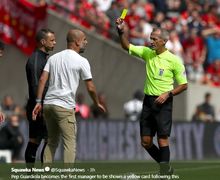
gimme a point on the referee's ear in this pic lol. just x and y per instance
(43, 42)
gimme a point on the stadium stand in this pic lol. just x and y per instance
(186, 20)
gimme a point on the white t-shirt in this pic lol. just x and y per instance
(65, 68)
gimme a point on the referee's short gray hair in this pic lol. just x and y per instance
(164, 34)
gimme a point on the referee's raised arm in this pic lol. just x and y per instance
(121, 32)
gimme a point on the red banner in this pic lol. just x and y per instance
(19, 22)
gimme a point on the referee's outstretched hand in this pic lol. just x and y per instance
(36, 111)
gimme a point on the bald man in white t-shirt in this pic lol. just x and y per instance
(64, 70)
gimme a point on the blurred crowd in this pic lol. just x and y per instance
(194, 27)
(11, 138)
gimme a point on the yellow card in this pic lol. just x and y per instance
(124, 13)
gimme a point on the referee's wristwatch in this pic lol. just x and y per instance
(170, 94)
(38, 100)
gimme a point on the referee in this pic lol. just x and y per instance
(45, 39)
(162, 67)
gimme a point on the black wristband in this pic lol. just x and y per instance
(170, 94)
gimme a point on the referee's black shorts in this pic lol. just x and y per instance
(156, 118)
(37, 128)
